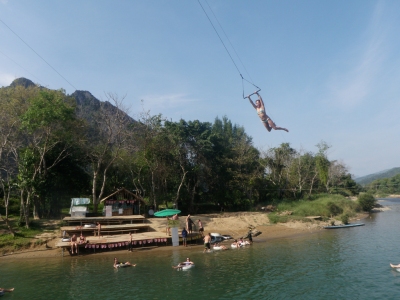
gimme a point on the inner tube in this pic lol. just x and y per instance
(187, 267)
(122, 265)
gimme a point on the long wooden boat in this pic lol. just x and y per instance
(344, 226)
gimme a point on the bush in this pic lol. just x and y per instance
(345, 219)
(334, 209)
(366, 201)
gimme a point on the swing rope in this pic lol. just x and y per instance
(233, 61)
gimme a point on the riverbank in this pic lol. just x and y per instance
(235, 224)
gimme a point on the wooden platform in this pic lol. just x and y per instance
(121, 242)
(105, 229)
(105, 220)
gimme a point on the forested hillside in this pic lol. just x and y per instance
(380, 175)
(56, 146)
(385, 186)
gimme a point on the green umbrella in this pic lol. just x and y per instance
(167, 212)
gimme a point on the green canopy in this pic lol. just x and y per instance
(167, 212)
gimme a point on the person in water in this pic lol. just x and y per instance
(6, 290)
(265, 119)
(116, 263)
(207, 243)
(188, 262)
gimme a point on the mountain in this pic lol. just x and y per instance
(383, 174)
(88, 106)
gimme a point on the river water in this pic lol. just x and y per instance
(350, 263)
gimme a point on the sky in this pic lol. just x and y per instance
(328, 70)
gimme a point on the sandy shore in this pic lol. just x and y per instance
(234, 224)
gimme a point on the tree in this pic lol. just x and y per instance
(49, 128)
(366, 201)
(106, 139)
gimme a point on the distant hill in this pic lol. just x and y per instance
(383, 174)
(88, 106)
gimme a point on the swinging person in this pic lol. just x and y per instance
(265, 119)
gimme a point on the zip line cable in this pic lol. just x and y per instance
(233, 61)
(237, 55)
(38, 55)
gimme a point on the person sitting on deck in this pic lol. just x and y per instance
(188, 262)
(74, 243)
(82, 239)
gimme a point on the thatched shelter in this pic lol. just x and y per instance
(123, 202)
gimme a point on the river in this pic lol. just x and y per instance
(350, 263)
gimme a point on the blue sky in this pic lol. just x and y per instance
(328, 70)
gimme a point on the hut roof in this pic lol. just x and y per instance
(125, 193)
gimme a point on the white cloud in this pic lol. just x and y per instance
(351, 87)
(6, 79)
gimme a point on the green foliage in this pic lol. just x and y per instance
(384, 186)
(67, 149)
(323, 205)
(345, 219)
(334, 209)
(367, 180)
(366, 201)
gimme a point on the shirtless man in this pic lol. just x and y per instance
(207, 243)
(74, 243)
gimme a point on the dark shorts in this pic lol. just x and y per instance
(207, 245)
(201, 229)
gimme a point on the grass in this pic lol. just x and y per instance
(24, 238)
(324, 205)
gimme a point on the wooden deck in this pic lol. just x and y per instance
(123, 228)
(105, 220)
(121, 242)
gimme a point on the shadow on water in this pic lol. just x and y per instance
(332, 264)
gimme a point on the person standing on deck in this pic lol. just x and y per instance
(189, 224)
(184, 237)
(130, 245)
(98, 229)
(201, 228)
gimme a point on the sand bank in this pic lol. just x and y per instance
(235, 224)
